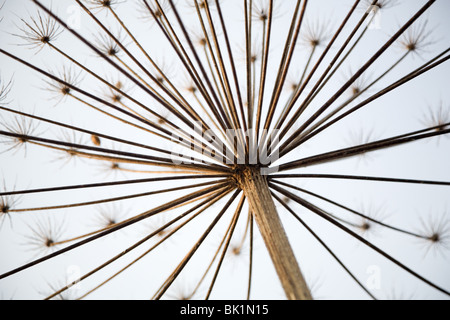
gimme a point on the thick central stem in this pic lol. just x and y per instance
(263, 207)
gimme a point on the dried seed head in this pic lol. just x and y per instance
(181, 291)
(61, 89)
(44, 235)
(39, 31)
(115, 166)
(70, 153)
(417, 39)
(435, 237)
(7, 203)
(202, 4)
(117, 91)
(437, 117)
(102, 4)
(163, 70)
(192, 88)
(109, 216)
(109, 46)
(255, 52)
(150, 10)
(260, 10)
(23, 128)
(316, 33)
(199, 38)
(367, 226)
(237, 251)
(156, 224)
(360, 85)
(4, 209)
(435, 233)
(187, 84)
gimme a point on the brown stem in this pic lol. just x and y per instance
(257, 191)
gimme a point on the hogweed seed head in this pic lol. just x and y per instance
(99, 5)
(39, 31)
(111, 44)
(436, 234)
(316, 33)
(253, 136)
(417, 39)
(22, 127)
(5, 207)
(109, 216)
(60, 90)
(437, 117)
(44, 235)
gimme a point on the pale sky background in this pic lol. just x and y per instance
(401, 205)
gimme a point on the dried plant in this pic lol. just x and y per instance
(212, 140)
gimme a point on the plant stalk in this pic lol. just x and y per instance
(257, 191)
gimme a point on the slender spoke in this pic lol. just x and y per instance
(325, 216)
(127, 197)
(357, 74)
(364, 148)
(229, 234)
(339, 261)
(350, 210)
(115, 228)
(183, 263)
(139, 243)
(421, 70)
(363, 178)
(109, 184)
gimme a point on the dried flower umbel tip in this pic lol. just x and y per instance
(115, 95)
(181, 291)
(316, 33)
(202, 3)
(6, 204)
(39, 31)
(163, 71)
(437, 117)
(61, 90)
(436, 234)
(109, 216)
(150, 11)
(110, 46)
(22, 127)
(417, 39)
(70, 153)
(156, 224)
(44, 235)
(102, 4)
(260, 10)
(359, 86)
(367, 226)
